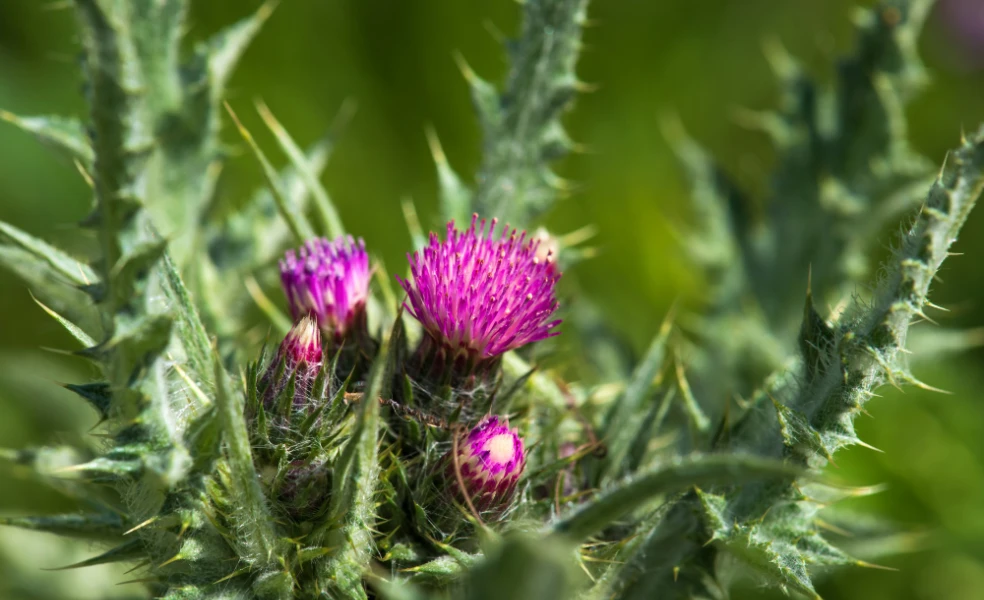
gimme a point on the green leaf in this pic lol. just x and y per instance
(778, 563)
(50, 287)
(797, 432)
(137, 346)
(98, 395)
(625, 416)
(120, 140)
(257, 535)
(229, 45)
(101, 526)
(815, 338)
(65, 134)
(352, 511)
(71, 270)
(131, 550)
(642, 488)
(455, 197)
(128, 276)
(329, 215)
(295, 220)
(515, 183)
(72, 328)
(523, 568)
(442, 570)
(190, 329)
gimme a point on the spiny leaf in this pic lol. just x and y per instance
(120, 141)
(514, 182)
(72, 328)
(352, 510)
(442, 570)
(815, 338)
(229, 45)
(719, 214)
(258, 535)
(65, 134)
(797, 432)
(623, 421)
(640, 489)
(191, 332)
(779, 563)
(50, 287)
(128, 551)
(129, 274)
(100, 526)
(98, 395)
(136, 346)
(522, 568)
(71, 270)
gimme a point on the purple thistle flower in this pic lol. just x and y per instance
(480, 296)
(300, 356)
(491, 457)
(330, 280)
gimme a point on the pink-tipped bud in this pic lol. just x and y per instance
(490, 459)
(300, 357)
(302, 345)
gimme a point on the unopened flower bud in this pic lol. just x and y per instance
(299, 356)
(490, 459)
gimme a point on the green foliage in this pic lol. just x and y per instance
(219, 485)
(523, 133)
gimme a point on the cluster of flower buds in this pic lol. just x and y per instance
(326, 284)
(476, 295)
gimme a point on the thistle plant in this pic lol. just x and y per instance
(414, 447)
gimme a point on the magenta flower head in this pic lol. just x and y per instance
(329, 280)
(478, 295)
(300, 357)
(490, 458)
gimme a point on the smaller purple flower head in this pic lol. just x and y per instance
(491, 457)
(330, 280)
(299, 356)
(479, 295)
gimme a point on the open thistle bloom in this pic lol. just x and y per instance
(300, 357)
(490, 458)
(330, 280)
(478, 296)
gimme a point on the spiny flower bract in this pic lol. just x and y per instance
(490, 458)
(330, 280)
(481, 295)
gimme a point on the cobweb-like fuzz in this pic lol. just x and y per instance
(329, 280)
(480, 296)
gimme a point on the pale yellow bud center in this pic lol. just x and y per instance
(501, 448)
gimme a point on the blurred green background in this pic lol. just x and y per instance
(701, 59)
